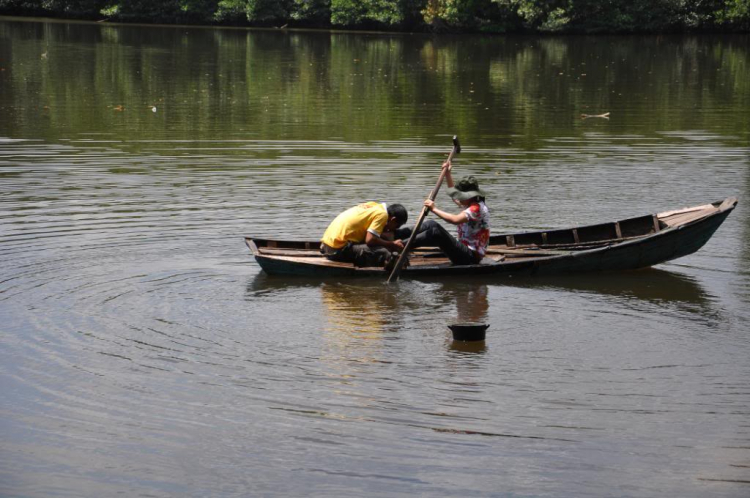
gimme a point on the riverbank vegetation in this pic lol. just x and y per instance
(218, 84)
(489, 16)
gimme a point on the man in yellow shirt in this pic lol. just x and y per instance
(358, 234)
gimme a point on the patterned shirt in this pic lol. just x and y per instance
(475, 233)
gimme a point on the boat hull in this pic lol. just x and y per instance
(626, 253)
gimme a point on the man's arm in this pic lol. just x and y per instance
(373, 240)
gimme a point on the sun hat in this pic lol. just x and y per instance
(466, 189)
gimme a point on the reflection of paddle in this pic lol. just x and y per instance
(433, 194)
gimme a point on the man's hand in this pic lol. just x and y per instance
(429, 204)
(399, 245)
(447, 165)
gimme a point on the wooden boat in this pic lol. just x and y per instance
(627, 244)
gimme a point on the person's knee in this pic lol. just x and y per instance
(436, 230)
(403, 233)
(431, 227)
(370, 256)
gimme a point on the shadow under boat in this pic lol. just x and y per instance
(470, 298)
(651, 284)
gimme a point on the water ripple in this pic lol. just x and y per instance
(126, 261)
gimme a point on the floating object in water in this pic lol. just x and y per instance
(153, 109)
(119, 108)
(603, 116)
(469, 331)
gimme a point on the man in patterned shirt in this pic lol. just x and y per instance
(473, 223)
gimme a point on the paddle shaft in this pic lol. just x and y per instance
(422, 215)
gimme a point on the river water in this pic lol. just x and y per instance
(144, 353)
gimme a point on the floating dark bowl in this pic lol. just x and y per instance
(468, 331)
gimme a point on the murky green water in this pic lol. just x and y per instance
(142, 351)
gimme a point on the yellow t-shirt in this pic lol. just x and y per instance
(353, 224)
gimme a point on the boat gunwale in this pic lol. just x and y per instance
(727, 204)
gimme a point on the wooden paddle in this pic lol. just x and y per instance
(433, 194)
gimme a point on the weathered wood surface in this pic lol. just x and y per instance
(680, 217)
(417, 254)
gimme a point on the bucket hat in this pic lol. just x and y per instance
(465, 189)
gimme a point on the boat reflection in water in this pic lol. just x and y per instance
(654, 286)
(635, 289)
(358, 310)
(366, 314)
(362, 314)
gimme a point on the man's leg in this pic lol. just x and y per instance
(364, 255)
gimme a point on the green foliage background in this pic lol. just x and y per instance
(498, 16)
